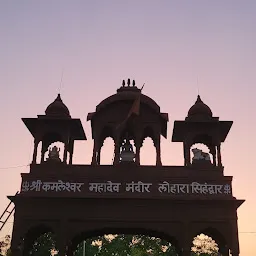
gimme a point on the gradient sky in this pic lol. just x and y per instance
(175, 47)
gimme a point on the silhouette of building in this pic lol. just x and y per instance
(76, 202)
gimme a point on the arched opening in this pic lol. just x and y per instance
(132, 244)
(200, 152)
(127, 148)
(209, 242)
(148, 149)
(148, 152)
(107, 151)
(40, 241)
(52, 147)
(58, 151)
(203, 149)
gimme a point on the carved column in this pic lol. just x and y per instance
(219, 155)
(71, 151)
(117, 150)
(138, 144)
(186, 148)
(213, 152)
(137, 154)
(95, 151)
(98, 154)
(66, 148)
(158, 150)
(43, 150)
(36, 142)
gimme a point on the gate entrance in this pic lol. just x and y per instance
(175, 203)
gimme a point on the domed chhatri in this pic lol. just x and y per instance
(57, 109)
(199, 110)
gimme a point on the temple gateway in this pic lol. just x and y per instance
(76, 202)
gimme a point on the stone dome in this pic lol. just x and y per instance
(57, 109)
(199, 110)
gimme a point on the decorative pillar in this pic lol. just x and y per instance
(98, 155)
(137, 154)
(138, 144)
(219, 155)
(65, 152)
(71, 151)
(213, 151)
(186, 149)
(158, 151)
(95, 150)
(36, 142)
(117, 151)
(43, 150)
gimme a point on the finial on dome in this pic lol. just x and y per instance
(58, 97)
(129, 86)
(198, 99)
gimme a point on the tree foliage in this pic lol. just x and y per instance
(43, 245)
(116, 245)
(204, 245)
(123, 245)
(5, 246)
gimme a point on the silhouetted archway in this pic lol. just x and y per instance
(39, 241)
(127, 241)
(211, 241)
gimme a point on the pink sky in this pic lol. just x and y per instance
(168, 45)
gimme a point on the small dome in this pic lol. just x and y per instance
(57, 108)
(199, 110)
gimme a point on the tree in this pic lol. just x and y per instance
(117, 245)
(5, 245)
(123, 245)
(43, 245)
(204, 245)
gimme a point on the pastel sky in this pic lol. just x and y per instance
(175, 47)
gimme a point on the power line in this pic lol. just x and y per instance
(13, 167)
(249, 232)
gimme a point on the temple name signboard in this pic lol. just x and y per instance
(133, 187)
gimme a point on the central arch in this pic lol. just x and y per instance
(82, 236)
